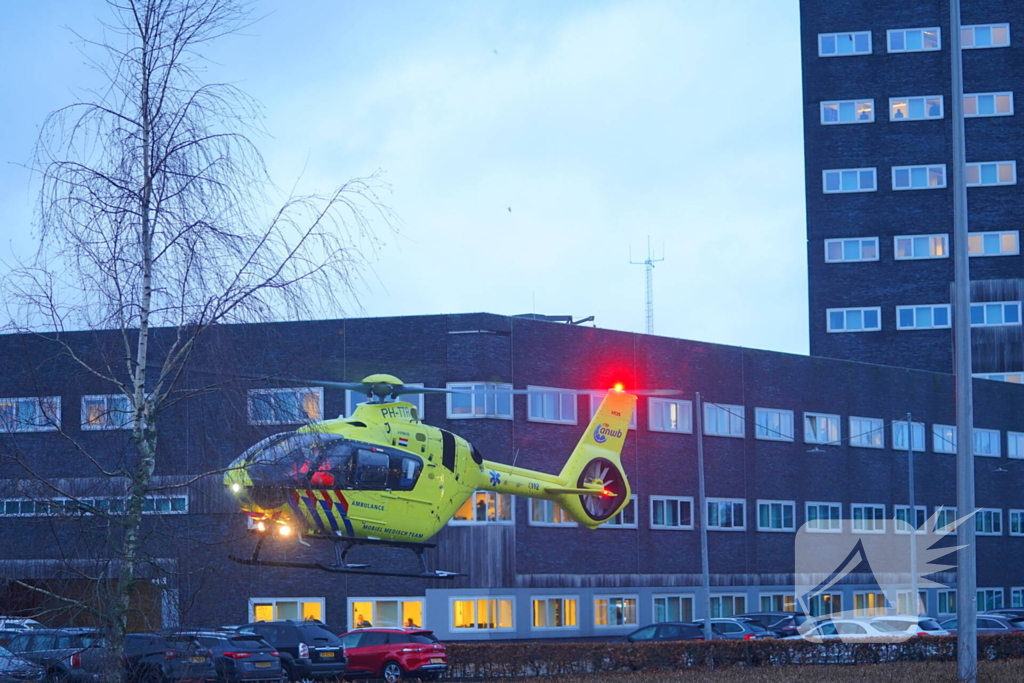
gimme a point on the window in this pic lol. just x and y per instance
(615, 611)
(554, 613)
(727, 605)
(899, 436)
(945, 519)
(868, 519)
(904, 605)
(486, 507)
(915, 108)
(673, 608)
(778, 602)
(912, 247)
(152, 504)
(824, 517)
(867, 432)
(847, 111)
(109, 411)
(723, 420)
(990, 598)
(986, 442)
(918, 177)
(595, 403)
(1017, 597)
(1015, 444)
(624, 518)
(548, 513)
(902, 523)
(933, 317)
(988, 522)
(482, 614)
(727, 514)
(869, 604)
(671, 512)
(992, 173)
(552, 405)
(914, 39)
(851, 250)
(776, 515)
(30, 414)
(1011, 377)
(839, 180)
(824, 604)
(854, 319)
(667, 415)
(821, 428)
(273, 609)
(1017, 522)
(488, 399)
(984, 35)
(947, 602)
(353, 399)
(285, 406)
(995, 313)
(385, 612)
(988, 104)
(993, 243)
(844, 44)
(773, 425)
(943, 439)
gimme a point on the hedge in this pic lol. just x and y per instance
(513, 659)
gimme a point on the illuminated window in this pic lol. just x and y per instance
(989, 599)
(773, 425)
(727, 514)
(385, 612)
(548, 513)
(615, 611)
(776, 515)
(995, 313)
(354, 398)
(854, 319)
(727, 605)
(555, 613)
(986, 442)
(984, 35)
(869, 604)
(547, 404)
(624, 518)
(847, 111)
(943, 439)
(993, 243)
(915, 108)
(945, 518)
(777, 602)
(838, 180)
(30, 414)
(723, 420)
(824, 604)
(988, 522)
(668, 512)
(904, 605)
(992, 173)
(899, 436)
(111, 411)
(1017, 524)
(844, 44)
(488, 399)
(274, 609)
(868, 519)
(919, 177)
(825, 517)
(667, 415)
(673, 608)
(911, 247)
(988, 104)
(595, 403)
(486, 507)
(902, 523)
(914, 39)
(947, 602)
(851, 250)
(1015, 445)
(933, 317)
(285, 406)
(821, 428)
(482, 614)
(867, 432)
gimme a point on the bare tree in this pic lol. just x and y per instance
(152, 213)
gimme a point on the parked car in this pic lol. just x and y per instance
(1012, 612)
(308, 649)
(7, 636)
(669, 630)
(846, 629)
(394, 653)
(14, 669)
(18, 624)
(990, 623)
(737, 628)
(918, 626)
(239, 656)
(158, 658)
(73, 655)
(781, 624)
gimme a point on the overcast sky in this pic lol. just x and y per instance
(596, 123)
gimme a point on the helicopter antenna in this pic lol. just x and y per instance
(649, 263)
(515, 456)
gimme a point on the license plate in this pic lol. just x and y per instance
(199, 659)
(436, 660)
(326, 655)
(264, 665)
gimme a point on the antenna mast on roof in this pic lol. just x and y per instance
(649, 263)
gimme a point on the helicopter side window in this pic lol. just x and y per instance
(371, 470)
(404, 472)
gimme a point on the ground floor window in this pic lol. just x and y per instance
(825, 604)
(673, 608)
(1017, 597)
(555, 613)
(904, 606)
(728, 605)
(869, 604)
(481, 613)
(990, 598)
(385, 612)
(947, 602)
(613, 611)
(485, 507)
(778, 602)
(272, 609)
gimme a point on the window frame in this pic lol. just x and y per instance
(788, 601)
(869, 611)
(780, 434)
(941, 512)
(536, 392)
(838, 521)
(973, 29)
(554, 508)
(298, 391)
(41, 421)
(676, 499)
(995, 96)
(452, 599)
(838, 104)
(733, 414)
(901, 526)
(994, 515)
(845, 312)
(858, 171)
(946, 597)
(981, 238)
(896, 424)
(876, 518)
(1015, 445)
(1016, 305)
(594, 401)
(610, 523)
(995, 438)
(896, 239)
(730, 596)
(938, 37)
(934, 307)
(784, 503)
(830, 419)
(373, 619)
(547, 598)
(929, 168)
(473, 506)
(842, 242)
(853, 35)
(709, 501)
(669, 596)
(107, 424)
(924, 105)
(1019, 515)
(481, 395)
(998, 164)
(274, 604)
(625, 597)
(949, 443)
(686, 408)
(856, 437)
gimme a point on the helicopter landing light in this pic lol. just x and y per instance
(260, 526)
(284, 530)
(235, 488)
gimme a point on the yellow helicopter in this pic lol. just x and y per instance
(381, 476)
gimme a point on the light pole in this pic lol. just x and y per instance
(705, 575)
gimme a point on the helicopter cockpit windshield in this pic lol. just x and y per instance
(326, 461)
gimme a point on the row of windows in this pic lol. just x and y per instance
(912, 40)
(920, 247)
(917, 108)
(50, 507)
(922, 317)
(925, 177)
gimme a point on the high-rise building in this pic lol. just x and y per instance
(878, 155)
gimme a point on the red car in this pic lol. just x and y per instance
(393, 653)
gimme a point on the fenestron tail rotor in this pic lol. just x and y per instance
(604, 473)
